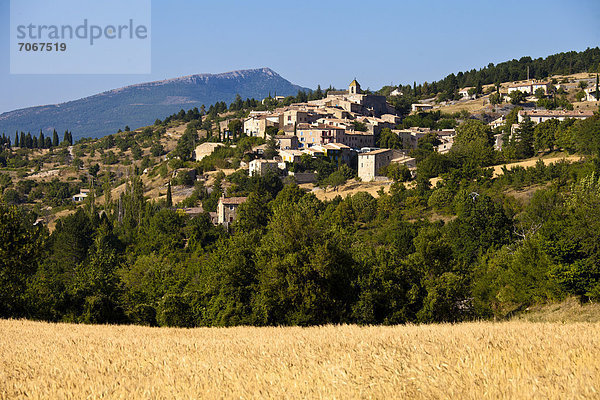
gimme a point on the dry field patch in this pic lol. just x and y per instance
(464, 361)
(532, 161)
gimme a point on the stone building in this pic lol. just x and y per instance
(227, 209)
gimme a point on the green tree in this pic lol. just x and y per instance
(169, 202)
(304, 273)
(235, 127)
(21, 246)
(96, 283)
(544, 135)
(136, 151)
(473, 143)
(157, 149)
(389, 140)
(523, 139)
(517, 97)
(271, 149)
(540, 93)
(253, 214)
(495, 98)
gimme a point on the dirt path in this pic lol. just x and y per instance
(532, 161)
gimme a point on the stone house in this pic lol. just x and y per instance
(290, 156)
(287, 142)
(260, 167)
(205, 149)
(227, 210)
(370, 163)
(257, 125)
(418, 107)
(310, 135)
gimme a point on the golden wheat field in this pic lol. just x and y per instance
(464, 361)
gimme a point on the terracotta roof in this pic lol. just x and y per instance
(375, 152)
(317, 126)
(336, 145)
(233, 200)
(556, 113)
(192, 210)
(358, 133)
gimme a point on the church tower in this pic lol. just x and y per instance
(354, 87)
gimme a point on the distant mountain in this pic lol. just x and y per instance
(141, 104)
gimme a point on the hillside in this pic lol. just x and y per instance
(141, 104)
(481, 105)
(467, 361)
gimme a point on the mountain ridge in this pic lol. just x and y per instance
(141, 103)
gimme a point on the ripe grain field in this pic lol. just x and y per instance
(465, 361)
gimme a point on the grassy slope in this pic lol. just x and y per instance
(482, 105)
(570, 310)
(466, 361)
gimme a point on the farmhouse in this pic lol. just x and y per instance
(590, 94)
(81, 196)
(260, 167)
(418, 107)
(464, 93)
(227, 209)
(529, 86)
(538, 116)
(370, 163)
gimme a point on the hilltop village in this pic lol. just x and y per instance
(346, 127)
(343, 126)
(363, 131)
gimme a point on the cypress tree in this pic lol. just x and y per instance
(17, 139)
(169, 195)
(22, 140)
(54, 138)
(42, 140)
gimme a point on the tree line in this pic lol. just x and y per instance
(462, 250)
(29, 141)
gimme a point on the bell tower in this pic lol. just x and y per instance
(354, 87)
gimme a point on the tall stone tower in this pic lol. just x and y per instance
(354, 87)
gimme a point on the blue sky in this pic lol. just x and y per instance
(327, 42)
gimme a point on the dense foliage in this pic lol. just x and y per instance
(465, 249)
